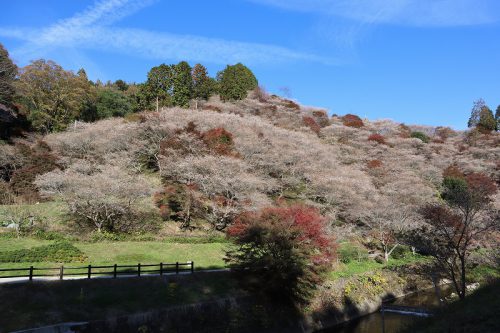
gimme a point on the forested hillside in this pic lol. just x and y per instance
(201, 167)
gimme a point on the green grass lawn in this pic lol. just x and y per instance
(204, 255)
(355, 267)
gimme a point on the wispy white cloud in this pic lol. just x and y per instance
(92, 29)
(153, 45)
(401, 12)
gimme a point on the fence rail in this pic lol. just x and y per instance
(90, 271)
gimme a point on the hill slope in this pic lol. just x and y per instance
(206, 165)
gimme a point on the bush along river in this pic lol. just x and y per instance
(395, 314)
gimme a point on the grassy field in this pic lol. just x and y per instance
(355, 267)
(204, 255)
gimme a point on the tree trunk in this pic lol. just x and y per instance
(463, 285)
(157, 104)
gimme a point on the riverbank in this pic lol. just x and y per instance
(344, 299)
(478, 313)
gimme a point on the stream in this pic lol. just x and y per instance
(393, 322)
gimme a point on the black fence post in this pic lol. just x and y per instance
(161, 268)
(31, 273)
(177, 267)
(114, 272)
(192, 267)
(89, 271)
(61, 272)
(139, 269)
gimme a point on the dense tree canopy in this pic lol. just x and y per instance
(203, 85)
(8, 72)
(53, 96)
(158, 86)
(235, 82)
(112, 103)
(182, 84)
(487, 122)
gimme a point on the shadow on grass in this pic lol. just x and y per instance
(43, 303)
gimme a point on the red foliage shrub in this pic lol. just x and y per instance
(462, 148)
(453, 171)
(272, 108)
(352, 120)
(180, 203)
(404, 131)
(304, 225)
(440, 214)
(291, 104)
(37, 160)
(373, 164)
(379, 138)
(311, 123)
(321, 118)
(219, 141)
(281, 251)
(481, 185)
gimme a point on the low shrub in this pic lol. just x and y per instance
(372, 164)
(444, 133)
(210, 107)
(60, 251)
(401, 252)
(47, 235)
(180, 203)
(312, 124)
(348, 252)
(404, 131)
(38, 160)
(321, 118)
(452, 171)
(135, 117)
(104, 235)
(352, 120)
(291, 104)
(219, 141)
(379, 138)
(419, 135)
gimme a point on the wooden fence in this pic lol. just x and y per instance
(94, 271)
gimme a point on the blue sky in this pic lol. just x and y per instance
(414, 61)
